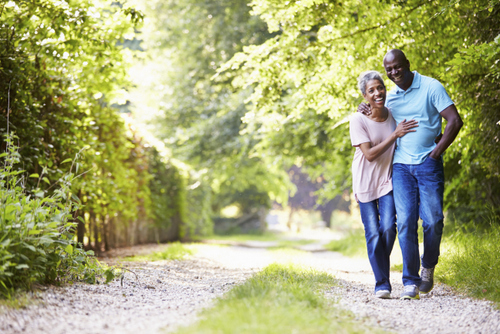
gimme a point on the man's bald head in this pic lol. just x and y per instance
(396, 53)
(397, 68)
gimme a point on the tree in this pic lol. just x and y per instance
(187, 41)
(304, 78)
(62, 64)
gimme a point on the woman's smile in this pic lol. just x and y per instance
(375, 93)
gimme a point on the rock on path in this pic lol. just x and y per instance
(169, 294)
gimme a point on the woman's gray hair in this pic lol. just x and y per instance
(367, 76)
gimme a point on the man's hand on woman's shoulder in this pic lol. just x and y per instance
(365, 109)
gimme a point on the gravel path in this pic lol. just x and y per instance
(168, 294)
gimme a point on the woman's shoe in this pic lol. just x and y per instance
(383, 294)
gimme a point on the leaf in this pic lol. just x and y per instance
(22, 266)
(40, 194)
(53, 225)
(69, 249)
(35, 175)
(67, 160)
(46, 180)
(110, 275)
(30, 247)
(31, 232)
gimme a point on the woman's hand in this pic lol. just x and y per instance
(372, 153)
(404, 127)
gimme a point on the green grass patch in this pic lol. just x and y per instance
(264, 236)
(397, 267)
(288, 252)
(174, 251)
(470, 262)
(279, 299)
(353, 244)
(18, 300)
(294, 243)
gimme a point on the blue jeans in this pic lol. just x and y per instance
(418, 193)
(379, 220)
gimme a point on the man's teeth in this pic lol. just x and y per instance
(398, 78)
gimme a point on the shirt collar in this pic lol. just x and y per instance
(414, 85)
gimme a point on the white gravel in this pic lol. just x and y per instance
(169, 294)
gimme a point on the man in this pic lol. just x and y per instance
(418, 178)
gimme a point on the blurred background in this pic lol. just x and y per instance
(182, 119)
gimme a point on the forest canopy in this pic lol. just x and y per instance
(304, 83)
(237, 92)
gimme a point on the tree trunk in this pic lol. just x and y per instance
(105, 233)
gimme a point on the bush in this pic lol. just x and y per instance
(36, 232)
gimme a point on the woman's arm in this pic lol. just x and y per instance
(372, 153)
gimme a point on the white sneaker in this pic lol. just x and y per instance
(383, 294)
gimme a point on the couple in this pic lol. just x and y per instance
(407, 180)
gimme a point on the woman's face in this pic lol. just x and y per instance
(375, 93)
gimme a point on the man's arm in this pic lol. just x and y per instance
(450, 131)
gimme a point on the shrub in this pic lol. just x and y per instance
(37, 231)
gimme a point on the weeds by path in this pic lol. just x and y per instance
(279, 299)
(175, 251)
(353, 244)
(471, 263)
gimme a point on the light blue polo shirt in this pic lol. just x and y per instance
(423, 101)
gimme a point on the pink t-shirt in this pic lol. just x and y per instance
(371, 180)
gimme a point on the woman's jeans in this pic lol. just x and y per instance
(379, 220)
(418, 193)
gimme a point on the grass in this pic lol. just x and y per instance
(279, 299)
(290, 244)
(470, 262)
(265, 236)
(175, 251)
(18, 300)
(353, 244)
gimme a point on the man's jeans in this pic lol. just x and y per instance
(379, 219)
(418, 191)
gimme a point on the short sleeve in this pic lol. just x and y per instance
(357, 130)
(439, 97)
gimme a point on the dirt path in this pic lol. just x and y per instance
(169, 294)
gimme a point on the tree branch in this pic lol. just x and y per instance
(378, 26)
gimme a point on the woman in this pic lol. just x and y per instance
(374, 137)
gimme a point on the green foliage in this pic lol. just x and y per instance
(353, 244)
(304, 82)
(255, 236)
(36, 232)
(62, 65)
(474, 163)
(470, 262)
(198, 212)
(280, 299)
(18, 300)
(201, 118)
(167, 188)
(175, 251)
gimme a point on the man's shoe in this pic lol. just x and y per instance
(383, 294)
(427, 284)
(410, 292)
